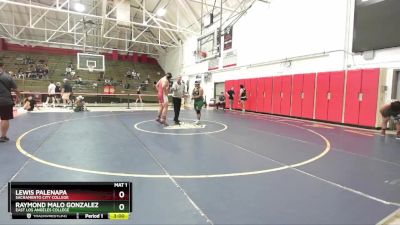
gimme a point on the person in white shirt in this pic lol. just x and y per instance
(51, 91)
(178, 91)
(68, 71)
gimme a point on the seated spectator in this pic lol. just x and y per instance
(46, 69)
(134, 75)
(68, 71)
(73, 73)
(29, 103)
(128, 74)
(21, 74)
(107, 82)
(12, 74)
(26, 60)
(78, 80)
(80, 104)
(138, 76)
(221, 101)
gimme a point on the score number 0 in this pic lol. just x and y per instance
(121, 194)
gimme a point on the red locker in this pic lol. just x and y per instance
(236, 99)
(249, 92)
(308, 96)
(286, 95)
(268, 90)
(336, 89)
(253, 96)
(276, 95)
(260, 95)
(353, 89)
(297, 95)
(321, 109)
(369, 97)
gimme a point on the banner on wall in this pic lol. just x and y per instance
(228, 38)
(230, 58)
(213, 64)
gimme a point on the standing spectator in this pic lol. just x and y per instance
(58, 92)
(178, 89)
(139, 92)
(231, 94)
(7, 84)
(243, 97)
(51, 91)
(66, 93)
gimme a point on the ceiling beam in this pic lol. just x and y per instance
(94, 16)
(74, 46)
(208, 4)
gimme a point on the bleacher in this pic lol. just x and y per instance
(57, 64)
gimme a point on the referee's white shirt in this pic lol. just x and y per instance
(51, 89)
(178, 90)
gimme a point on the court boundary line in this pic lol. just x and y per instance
(200, 176)
(225, 127)
(315, 176)
(28, 160)
(180, 188)
(255, 115)
(288, 118)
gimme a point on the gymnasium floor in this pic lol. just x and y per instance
(237, 169)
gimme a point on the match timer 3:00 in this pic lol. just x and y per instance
(70, 200)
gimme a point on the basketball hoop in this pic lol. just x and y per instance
(203, 54)
(91, 68)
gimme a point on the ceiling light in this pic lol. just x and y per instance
(79, 7)
(364, 0)
(161, 12)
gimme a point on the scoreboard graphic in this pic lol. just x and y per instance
(70, 200)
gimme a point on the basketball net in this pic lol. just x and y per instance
(91, 68)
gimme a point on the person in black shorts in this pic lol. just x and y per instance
(243, 97)
(388, 111)
(231, 94)
(7, 84)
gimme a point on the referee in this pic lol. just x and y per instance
(178, 89)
